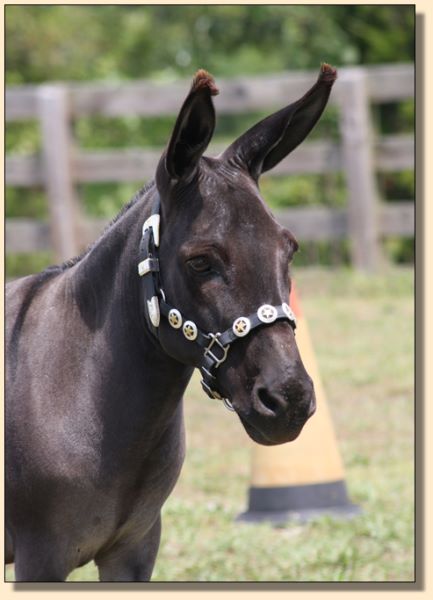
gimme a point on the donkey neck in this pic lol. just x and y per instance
(106, 288)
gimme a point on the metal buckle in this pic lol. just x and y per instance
(228, 405)
(210, 392)
(216, 396)
(148, 265)
(208, 350)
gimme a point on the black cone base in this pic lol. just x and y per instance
(300, 503)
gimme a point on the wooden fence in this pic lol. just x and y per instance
(61, 165)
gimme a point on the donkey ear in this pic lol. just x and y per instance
(270, 140)
(193, 129)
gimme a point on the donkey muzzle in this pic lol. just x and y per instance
(277, 413)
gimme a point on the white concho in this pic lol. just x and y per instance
(153, 223)
(288, 312)
(190, 330)
(175, 318)
(241, 326)
(267, 313)
(153, 310)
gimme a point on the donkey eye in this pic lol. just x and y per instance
(200, 264)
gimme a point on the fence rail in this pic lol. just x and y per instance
(313, 223)
(391, 153)
(61, 165)
(385, 84)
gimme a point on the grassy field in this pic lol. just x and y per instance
(362, 329)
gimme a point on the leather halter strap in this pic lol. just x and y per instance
(215, 346)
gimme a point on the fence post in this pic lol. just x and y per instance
(54, 118)
(356, 132)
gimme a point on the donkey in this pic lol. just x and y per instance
(194, 272)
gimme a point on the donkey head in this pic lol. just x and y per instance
(223, 255)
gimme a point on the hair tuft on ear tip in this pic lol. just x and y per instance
(204, 80)
(328, 74)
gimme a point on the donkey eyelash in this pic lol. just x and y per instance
(201, 265)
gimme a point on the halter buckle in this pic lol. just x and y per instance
(208, 350)
(216, 395)
(228, 405)
(210, 392)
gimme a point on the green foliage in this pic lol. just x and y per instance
(28, 203)
(400, 250)
(106, 199)
(396, 117)
(116, 42)
(303, 190)
(102, 132)
(397, 186)
(22, 137)
(380, 35)
(332, 253)
(20, 265)
(165, 42)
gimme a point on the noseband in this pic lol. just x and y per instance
(215, 346)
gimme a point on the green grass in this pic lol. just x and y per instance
(362, 329)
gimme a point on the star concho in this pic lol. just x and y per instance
(175, 318)
(288, 311)
(267, 313)
(241, 326)
(190, 330)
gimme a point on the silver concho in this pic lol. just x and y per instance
(288, 311)
(241, 326)
(189, 330)
(175, 318)
(267, 313)
(153, 223)
(153, 310)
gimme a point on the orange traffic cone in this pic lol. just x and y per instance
(304, 478)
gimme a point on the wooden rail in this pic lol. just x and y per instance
(313, 223)
(61, 165)
(392, 153)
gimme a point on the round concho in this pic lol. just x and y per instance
(288, 311)
(175, 318)
(267, 313)
(241, 326)
(189, 330)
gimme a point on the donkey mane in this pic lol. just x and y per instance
(53, 270)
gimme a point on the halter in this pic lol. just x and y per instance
(215, 346)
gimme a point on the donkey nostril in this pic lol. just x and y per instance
(268, 401)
